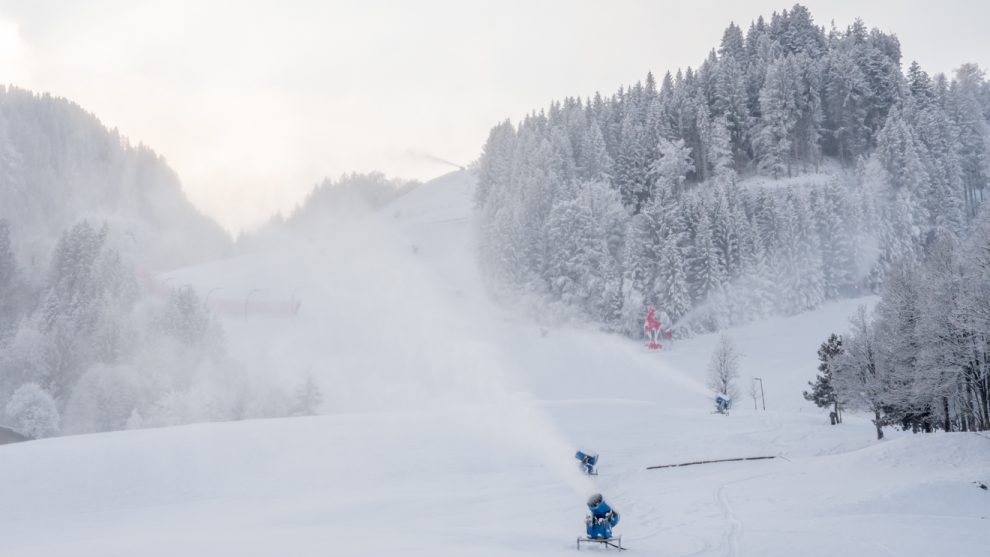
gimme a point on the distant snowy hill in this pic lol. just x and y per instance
(795, 165)
(330, 200)
(60, 165)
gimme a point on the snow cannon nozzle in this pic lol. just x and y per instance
(588, 462)
(595, 500)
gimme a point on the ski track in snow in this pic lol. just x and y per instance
(730, 541)
(734, 526)
(456, 437)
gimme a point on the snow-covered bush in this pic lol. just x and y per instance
(32, 412)
(102, 399)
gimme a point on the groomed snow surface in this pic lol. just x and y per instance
(451, 427)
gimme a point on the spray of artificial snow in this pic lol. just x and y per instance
(380, 329)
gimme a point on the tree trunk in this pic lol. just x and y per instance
(972, 405)
(960, 399)
(876, 422)
(947, 424)
(982, 394)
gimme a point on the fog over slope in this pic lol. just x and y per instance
(59, 165)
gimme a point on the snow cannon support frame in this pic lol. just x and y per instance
(609, 543)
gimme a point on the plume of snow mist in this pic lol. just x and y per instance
(381, 331)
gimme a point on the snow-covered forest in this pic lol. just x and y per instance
(99, 352)
(795, 165)
(88, 340)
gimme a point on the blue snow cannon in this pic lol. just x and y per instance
(722, 403)
(602, 519)
(588, 462)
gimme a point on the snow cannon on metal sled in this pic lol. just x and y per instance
(655, 331)
(722, 403)
(588, 462)
(599, 524)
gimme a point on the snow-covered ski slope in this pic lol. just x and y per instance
(452, 424)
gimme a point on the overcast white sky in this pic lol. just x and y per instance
(254, 102)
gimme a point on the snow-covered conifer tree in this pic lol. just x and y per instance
(308, 398)
(672, 165)
(774, 139)
(719, 152)
(823, 392)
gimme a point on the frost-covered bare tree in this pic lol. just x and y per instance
(921, 360)
(862, 378)
(723, 368)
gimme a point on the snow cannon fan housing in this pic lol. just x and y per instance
(603, 517)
